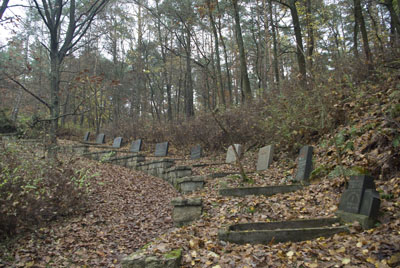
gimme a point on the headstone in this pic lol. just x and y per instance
(117, 142)
(136, 146)
(360, 197)
(265, 157)
(230, 155)
(101, 138)
(305, 166)
(161, 149)
(86, 137)
(196, 152)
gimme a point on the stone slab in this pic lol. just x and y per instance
(230, 155)
(196, 152)
(117, 143)
(101, 138)
(275, 232)
(365, 221)
(190, 184)
(136, 146)
(161, 149)
(265, 156)
(139, 259)
(305, 165)
(360, 197)
(86, 136)
(266, 190)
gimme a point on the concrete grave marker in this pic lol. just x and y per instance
(136, 146)
(161, 149)
(305, 166)
(230, 155)
(101, 138)
(265, 157)
(117, 142)
(360, 197)
(86, 137)
(360, 201)
(196, 152)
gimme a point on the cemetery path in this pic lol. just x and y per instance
(125, 210)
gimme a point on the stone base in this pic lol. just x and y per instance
(275, 232)
(138, 259)
(189, 184)
(186, 210)
(365, 221)
(266, 190)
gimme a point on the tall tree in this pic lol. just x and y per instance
(359, 19)
(244, 76)
(78, 19)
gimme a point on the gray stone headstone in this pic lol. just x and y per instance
(161, 149)
(101, 138)
(117, 142)
(265, 157)
(230, 155)
(136, 146)
(360, 197)
(86, 137)
(305, 166)
(196, 152)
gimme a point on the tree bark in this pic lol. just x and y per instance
(245, 82)
(299, 42)
(360, 19)
(275, 44)
(220, 85)
(3, 8)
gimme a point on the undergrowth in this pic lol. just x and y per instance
(33, 191)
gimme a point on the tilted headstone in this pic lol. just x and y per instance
(230, 155)
(360, 197)
(265, 157)
(305, 166)
(101, 138)
(117, 142)
(196, 152)
(161, 149)
(136, 146)
(86, 137)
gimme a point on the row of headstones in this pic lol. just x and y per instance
(265, 156)
(161, 149)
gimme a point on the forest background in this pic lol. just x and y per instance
(156, 69)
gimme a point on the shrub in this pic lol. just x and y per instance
(33, 191)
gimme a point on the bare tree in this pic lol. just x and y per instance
(79, 18)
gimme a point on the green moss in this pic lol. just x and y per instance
(173, 254)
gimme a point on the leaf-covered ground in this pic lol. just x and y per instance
(129, 209)
(125, 210)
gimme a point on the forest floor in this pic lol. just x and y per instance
(128, 209)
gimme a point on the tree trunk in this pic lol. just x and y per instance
(189, 111)
(299, 43)
(275, 45)
(220, 85)
(310, 35)
(360, 19)
(55, 65)
(228, 72)
(245, 82)
(395, 21)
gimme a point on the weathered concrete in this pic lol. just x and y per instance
(265, 190)
(186, 210)
(347, 217)
(139, 259)
(100, 155)
(275, 232)
(190, 184)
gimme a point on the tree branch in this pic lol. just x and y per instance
(29, 92)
